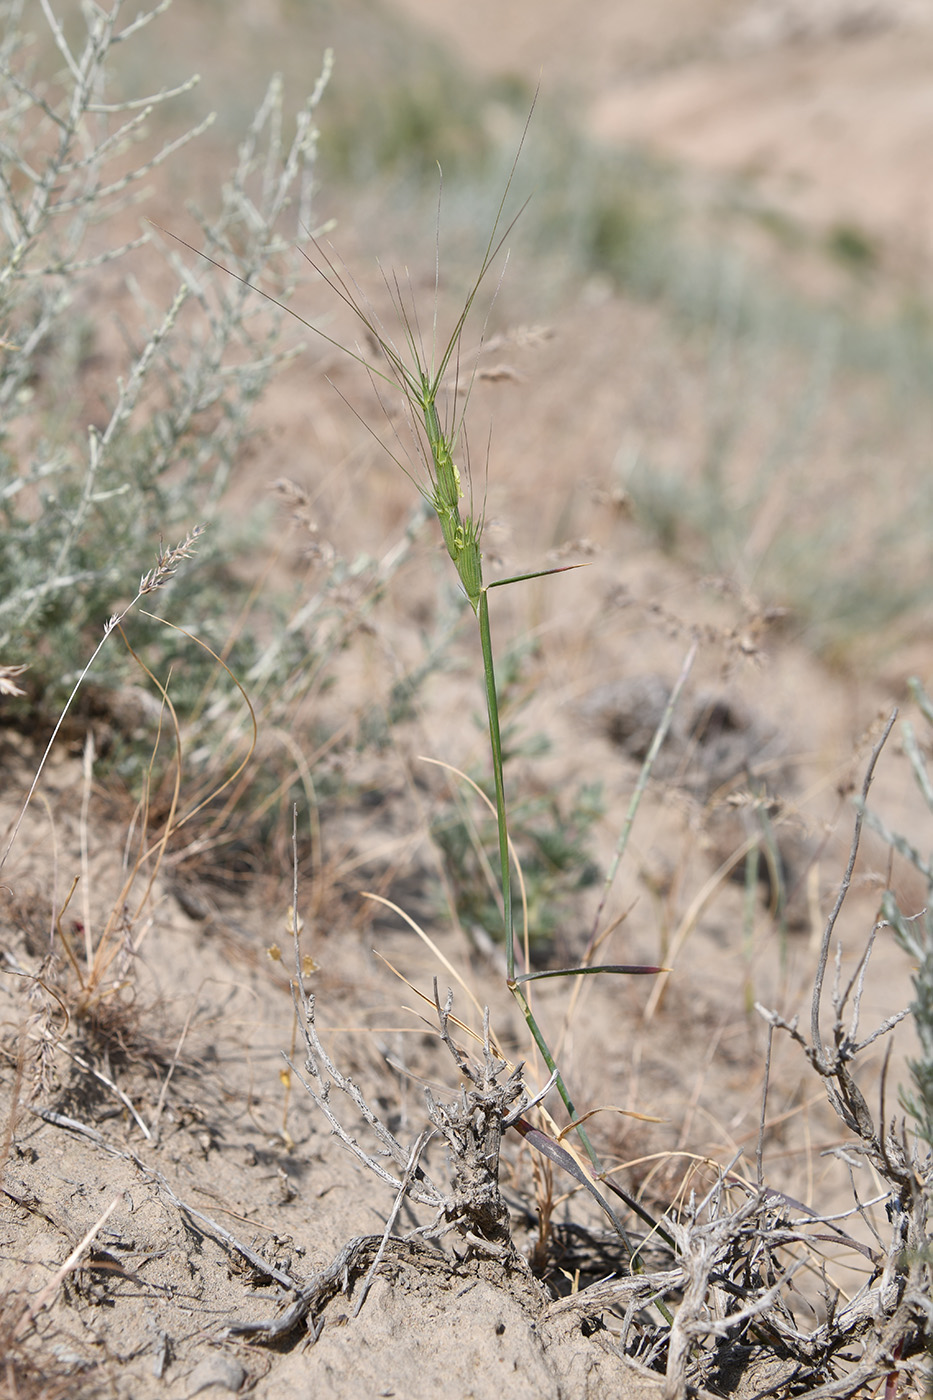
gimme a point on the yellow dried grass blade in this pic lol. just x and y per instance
(428, 942)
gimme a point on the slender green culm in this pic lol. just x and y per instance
(420, 377)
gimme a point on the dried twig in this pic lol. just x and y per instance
(841, 895)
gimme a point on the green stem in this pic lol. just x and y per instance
(551, 1063)
(495, 744)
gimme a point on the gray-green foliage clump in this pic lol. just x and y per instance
(82, 506)
(915, 935)
(917, 940)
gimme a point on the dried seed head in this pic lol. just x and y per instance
(169, 559)
(8, 684)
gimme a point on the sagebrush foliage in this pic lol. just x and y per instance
(88, 489)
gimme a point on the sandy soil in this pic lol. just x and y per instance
(821, 109)
(172, 1130)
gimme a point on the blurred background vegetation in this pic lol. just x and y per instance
(816, 350)
(803, 477)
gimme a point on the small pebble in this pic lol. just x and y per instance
(221, 1371)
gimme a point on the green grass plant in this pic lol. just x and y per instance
(419, 377)
(427, 372)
